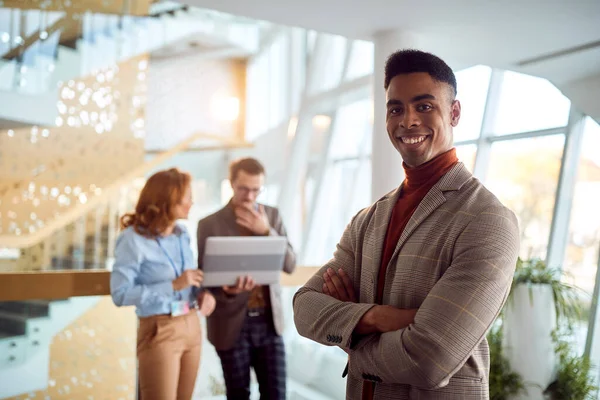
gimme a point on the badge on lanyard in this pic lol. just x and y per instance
(178, 307)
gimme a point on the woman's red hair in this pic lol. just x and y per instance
(154, 210)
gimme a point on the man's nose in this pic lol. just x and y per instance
(410, 120)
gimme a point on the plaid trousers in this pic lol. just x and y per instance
(261, 348)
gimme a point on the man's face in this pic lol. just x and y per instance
(246, 188)
(421, 113)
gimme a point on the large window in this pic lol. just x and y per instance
(347, 190)
(472, 84)
(527, 103)
(331, 50)
(268, 97)
(466, 155)
(352, 128)
(361, 60)
(524, 175)
(581, 258)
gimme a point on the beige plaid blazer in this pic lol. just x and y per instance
(454, 262)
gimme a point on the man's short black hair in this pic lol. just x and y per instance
(410, 61)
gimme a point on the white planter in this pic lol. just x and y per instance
(529, 320)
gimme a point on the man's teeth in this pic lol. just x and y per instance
(413, 140)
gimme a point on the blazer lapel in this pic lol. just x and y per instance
(452, 180)
(383, 213)
(228, 218)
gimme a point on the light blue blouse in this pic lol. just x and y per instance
(145, 268)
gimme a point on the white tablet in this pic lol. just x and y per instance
(227, 258)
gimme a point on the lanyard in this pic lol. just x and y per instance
(177, 273)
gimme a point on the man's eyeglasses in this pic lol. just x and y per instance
(247, 190)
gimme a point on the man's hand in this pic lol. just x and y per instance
(206, 303)
(338, 285)
(243, 284)
(379, 319)
(253, 220)
(382, 319)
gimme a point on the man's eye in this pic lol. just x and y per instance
(424, 107)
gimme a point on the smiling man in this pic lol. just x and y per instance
(418, 277)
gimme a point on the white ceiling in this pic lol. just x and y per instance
(493, 32)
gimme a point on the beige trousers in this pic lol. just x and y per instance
(168, 351)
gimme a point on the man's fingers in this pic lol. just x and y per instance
(347, 283)
(333, 292)
(339, 285)
(249, 283)
(242, 221)
(246, 211)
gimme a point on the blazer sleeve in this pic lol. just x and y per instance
(456, 314)
(278, 229)
(321, 317)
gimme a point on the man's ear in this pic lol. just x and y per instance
(455, 113)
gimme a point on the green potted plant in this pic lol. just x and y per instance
(528, 355)
(504, 382)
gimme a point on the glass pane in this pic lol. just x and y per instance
(581, 258)
(353, 121)
(347, 189)
(473, 84)
(466, 154)
(524, 175)
(528, 103)
(331, 54)
(323, 380)
(361, 60)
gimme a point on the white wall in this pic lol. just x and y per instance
(179, 98)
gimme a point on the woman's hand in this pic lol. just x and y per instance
(190, 277)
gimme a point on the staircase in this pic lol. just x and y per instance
(26, 331)
(27, 328)
(69, 46)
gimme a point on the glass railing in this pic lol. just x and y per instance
(39, 48)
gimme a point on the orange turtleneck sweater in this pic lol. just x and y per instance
(417, 184)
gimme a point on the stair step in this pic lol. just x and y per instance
(13, 324)
(26, 308)
(6, 335)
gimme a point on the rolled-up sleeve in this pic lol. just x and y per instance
(125, 288)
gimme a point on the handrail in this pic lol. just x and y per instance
(80, 210)
(120, 7)
(59, 25)
(49, 285)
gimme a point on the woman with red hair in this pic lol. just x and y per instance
(155, 271)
